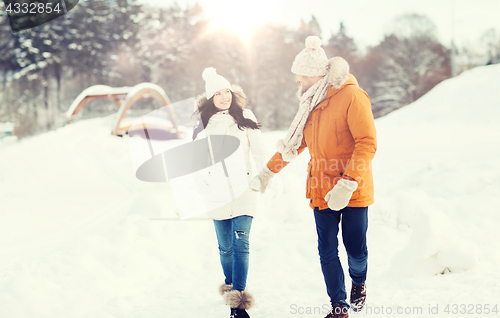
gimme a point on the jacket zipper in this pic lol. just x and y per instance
(316, 137)
(224, 168)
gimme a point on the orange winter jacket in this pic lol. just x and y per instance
(340, 135)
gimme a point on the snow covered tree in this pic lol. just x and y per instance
(8, 43)
(272, 49)
(163, 47)
(306, 29)
(340, 44)
(492, 44)
(123, 28)
(406, 64)
(225, 50)
(76, 46)
(8, 64)
(42, 56)
(91, 41)
(273, 89)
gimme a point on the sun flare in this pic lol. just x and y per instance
(240, 16)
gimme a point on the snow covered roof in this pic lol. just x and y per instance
(96, 90)
(104, 90)
(145, 90)
(125, 97)
(138, 87)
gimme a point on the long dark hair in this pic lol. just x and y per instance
(208, 109)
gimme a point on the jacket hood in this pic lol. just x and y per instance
(239, 96)
(338, 72)
(338, 80)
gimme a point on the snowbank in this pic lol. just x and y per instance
(436, 170)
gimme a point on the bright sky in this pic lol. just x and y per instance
(365, 20)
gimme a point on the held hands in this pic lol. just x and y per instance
(260, 181)
(338, 197)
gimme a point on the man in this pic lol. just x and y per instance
(335, 122)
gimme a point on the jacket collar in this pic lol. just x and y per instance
(222, 117)
(332, 91)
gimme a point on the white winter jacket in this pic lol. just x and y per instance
(240, 167)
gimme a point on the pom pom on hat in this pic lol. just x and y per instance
(208, 72)
(313, 42)
(214, 82)
(312, 61)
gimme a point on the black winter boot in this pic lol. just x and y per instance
(358, 297)
(238, 313)
(338, 311)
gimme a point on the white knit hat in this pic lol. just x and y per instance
(312, 61)
(214, 82)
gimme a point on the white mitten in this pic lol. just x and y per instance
(338, 197)
(260, 181)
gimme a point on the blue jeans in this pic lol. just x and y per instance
(354, 226)
(233, 237)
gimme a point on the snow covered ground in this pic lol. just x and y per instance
(80, 236)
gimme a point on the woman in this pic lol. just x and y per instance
(222, 113)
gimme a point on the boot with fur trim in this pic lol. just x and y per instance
(239, 299)
(224, 288)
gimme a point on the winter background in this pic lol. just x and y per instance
(80, 236)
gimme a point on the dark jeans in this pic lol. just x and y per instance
(233, 237)
(354, 226)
